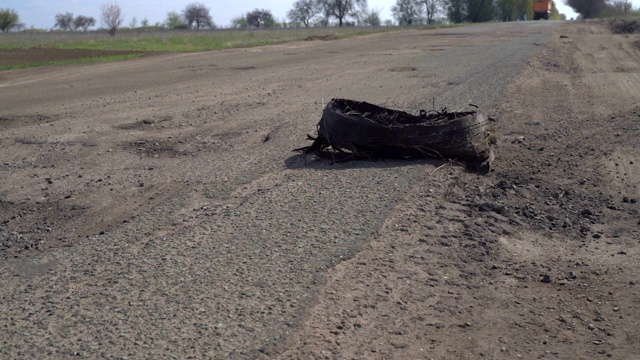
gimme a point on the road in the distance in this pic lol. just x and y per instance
(188, 233)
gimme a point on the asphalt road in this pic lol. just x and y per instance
(195, 236)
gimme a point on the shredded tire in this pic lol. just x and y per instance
(371, 131)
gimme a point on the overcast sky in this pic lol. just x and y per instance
(41, 13)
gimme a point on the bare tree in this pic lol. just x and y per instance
(325, 10)
(111, 16)
(198, 14)
(432, 7)
(303, 11)
(83, 22)
(407, 12)
(342, 9)
(64, 21)
(260, 17)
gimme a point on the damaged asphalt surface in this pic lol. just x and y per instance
(153, 209)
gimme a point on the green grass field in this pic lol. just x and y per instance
(175, 40)
(163, 40)
(67, 62)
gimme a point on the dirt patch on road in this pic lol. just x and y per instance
(322, 38)
(35, 55)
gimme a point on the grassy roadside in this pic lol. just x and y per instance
(70, 61)
(160, 41)
(163, 40)
(176, 40)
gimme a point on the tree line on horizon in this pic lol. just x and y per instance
(323, 13)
